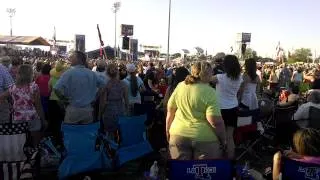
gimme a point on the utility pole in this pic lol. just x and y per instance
(115, 9)
(11, 12)
(169, 24)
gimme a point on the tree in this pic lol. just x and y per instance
(250, 53)
(317, 60)
(301, 55)
(176, 55)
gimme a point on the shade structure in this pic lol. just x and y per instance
(24, 40)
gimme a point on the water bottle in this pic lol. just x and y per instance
(245, 174)
(154, 170)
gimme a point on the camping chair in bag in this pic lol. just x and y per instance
(284, 124)
(314, 116)
(246, 129)
(296, 170)
(200, 169)
(85, 150)
(132, 142)
(284, 115)
(18, 160)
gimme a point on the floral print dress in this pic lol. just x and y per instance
(23, 103)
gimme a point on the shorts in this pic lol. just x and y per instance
(34, 125)
(183, 148)
(76, 115)
(230, 117)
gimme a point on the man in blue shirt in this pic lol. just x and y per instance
(78, 86)
(5, 82)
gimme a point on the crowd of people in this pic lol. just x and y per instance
(201, 100)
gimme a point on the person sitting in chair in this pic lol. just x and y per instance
(303, 111)
(306, 149)
(292, 98)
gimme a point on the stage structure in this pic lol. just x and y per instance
(127, 42)
(242, 42)
(152, 51)
(80, 43)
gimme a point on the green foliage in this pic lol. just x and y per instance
(250, 53)
(301, 55)
(176, 55)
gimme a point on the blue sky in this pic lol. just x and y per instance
(210, 24)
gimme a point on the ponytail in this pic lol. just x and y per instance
(134, 84)
(190, 79)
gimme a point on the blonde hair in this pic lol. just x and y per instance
(306, 142)
(200, 72)
(25, 74)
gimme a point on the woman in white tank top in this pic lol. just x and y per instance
(227, 88)
(248, 95)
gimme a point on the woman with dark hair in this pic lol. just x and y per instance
(180, 75)
(16, 62)
(227, 86)
(43, 82)
(306, 149)
(135, 86)
(248, 94)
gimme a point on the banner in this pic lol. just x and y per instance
(80, 44)
(126, 30)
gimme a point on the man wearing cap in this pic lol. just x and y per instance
(78, 86)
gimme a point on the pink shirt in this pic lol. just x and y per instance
(43, 83)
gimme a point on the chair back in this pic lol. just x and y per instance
(132, 130)
(295, 170)
(200, 169)
(148, 109)
(284, 115)
(84, 152)
(314, 116)
(133, 141)
(247, 117)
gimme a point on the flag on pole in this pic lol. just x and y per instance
(101, 42)
(278, 49)
(54, 37)
(99, 34)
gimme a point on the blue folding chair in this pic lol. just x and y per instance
(201, 169)
(133, 143)
(85, 151)
(296, 170)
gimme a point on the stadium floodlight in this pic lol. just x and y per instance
(11, 12)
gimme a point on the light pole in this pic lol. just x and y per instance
(115, 9)
(11, 12)
(169, 24)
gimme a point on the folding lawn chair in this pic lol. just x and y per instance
(133, 142)
(246, 134)
(201, 169)
(295, 170)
